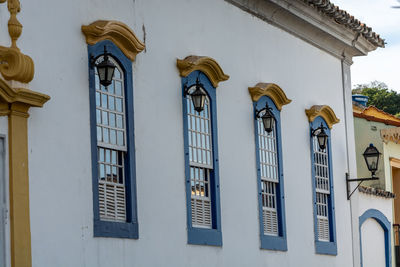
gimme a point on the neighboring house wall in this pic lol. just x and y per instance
(367, 132)
(390, 150)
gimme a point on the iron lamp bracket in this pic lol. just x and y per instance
(360, 180)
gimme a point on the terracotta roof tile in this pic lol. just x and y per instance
(344, 18)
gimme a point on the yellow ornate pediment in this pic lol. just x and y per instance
(271, 90)
(117, 32)
(325, 112)
(206, 65)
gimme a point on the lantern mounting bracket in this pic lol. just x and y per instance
(261, 110)
(186, 88)
(320, 128)
(93, 59)
(360, 180)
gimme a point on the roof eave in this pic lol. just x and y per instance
(311, 25)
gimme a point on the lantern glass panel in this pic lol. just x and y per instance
(371, 156)
(198, 99)
(372, 163)
(110, 73)
(267, 119)
(322, 139)
(102, 73)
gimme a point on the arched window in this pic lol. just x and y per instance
(201, 165)
(270, 178)
(113, 158)
(324, 213)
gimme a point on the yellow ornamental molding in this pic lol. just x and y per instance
(325, 112)
(14, 65)
(271, 90)
(117, 32)
(21, 95)
(206, 65)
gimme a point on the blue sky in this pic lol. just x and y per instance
(382, 64)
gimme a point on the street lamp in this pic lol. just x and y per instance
(105, 68)
(267, 118)
(198, 96)
(371, 157)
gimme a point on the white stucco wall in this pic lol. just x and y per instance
(250, 51)
(369, 132)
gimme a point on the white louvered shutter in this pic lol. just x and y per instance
(268, 154)
(201, 163)
(322, 187)
(111, 147)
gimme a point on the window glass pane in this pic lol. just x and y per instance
(104, 101)
(118, 88)
(120, 138)
(111, 103)
(118, 104)
(112, 119)
(119, 122)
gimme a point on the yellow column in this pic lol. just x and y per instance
(19, 186)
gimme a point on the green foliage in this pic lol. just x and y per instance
(380, 96)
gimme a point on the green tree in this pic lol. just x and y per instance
(380, 96)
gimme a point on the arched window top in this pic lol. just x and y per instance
(317, 123)
(190, 80)
(263, 100)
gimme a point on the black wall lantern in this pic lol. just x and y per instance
(198, 96)
(267, 118)
(321, 135)
(371, 156)
(105, 68)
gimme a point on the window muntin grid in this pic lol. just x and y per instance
(110, 111)
(322, 188)
(199, 135)
(201, 163)
(111, 146)
(269, 177)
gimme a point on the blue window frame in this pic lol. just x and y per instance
(201, 165)
(323, 194)
(270, 179)
(112, 147)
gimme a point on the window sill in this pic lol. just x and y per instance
(116, 229)
(326, 248)
(208, 237)
(273, 243)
